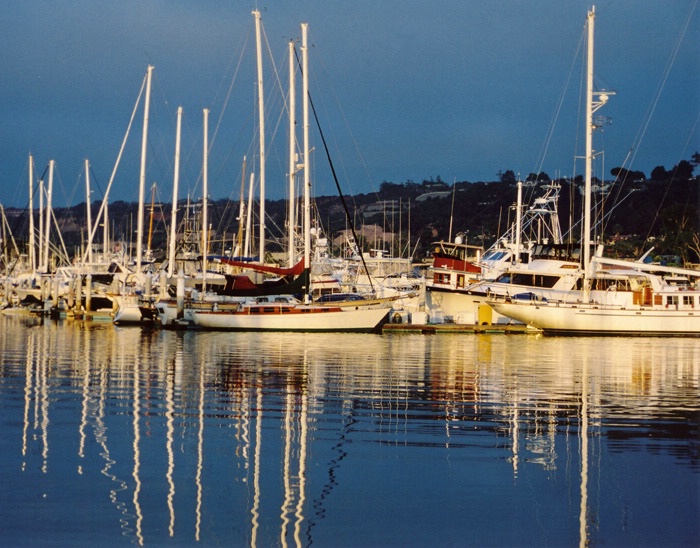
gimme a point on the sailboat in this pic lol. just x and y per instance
(283, 312)
(615, 297)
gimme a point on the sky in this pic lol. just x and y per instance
(405, 90)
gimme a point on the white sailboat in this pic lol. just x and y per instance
(283, 313)
(615, 297)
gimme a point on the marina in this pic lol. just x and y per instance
(424, 365)
(535, 275)
(122, 435)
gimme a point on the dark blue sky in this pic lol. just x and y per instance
(406, 89)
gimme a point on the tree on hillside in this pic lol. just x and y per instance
(659, 173)
(538, 177)
(679, 232)
(683, 171)
(626, 175)
(680, 172)
(507, 176)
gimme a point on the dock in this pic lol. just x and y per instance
(434, 328)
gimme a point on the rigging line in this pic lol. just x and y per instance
(355, 145)
(646, 120)
(230, 89)
(20, 218)
(335, 178)
(545, 146)
(222, 112)
(660, 87)
(672, 178)
(641, 132)
(57, 250)
(116, 165)
(275, 72)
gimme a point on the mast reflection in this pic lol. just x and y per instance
(176, 426)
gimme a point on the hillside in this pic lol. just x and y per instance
(662, 213)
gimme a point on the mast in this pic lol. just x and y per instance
(3, 236)
(261, 124)
(105, 230)
(307, 176)
(176, 182)
(89, 213)
(47, 221)
(589, 147)
(518, 222)
(150, 221)
(238, 248)
(591, 107)
(102, 213)
(40, 256)
(32, 249)
(142, 177)
(205, 192)
(249, 218)
(292, 149)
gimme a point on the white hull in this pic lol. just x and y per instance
(128, 313)
(314, 319)
(603, 320)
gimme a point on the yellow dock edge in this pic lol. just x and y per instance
(507, 329)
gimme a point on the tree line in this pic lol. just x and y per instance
(636, 213)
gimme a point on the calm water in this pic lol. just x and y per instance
(127, 436)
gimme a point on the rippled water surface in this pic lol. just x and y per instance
(127, 436)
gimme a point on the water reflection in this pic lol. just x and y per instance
(268, 439)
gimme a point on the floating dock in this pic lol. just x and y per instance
(506, 329)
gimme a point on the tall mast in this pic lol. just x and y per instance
(176, 182)
(47, 221)
(238, 248)
(150, 221)
(249, 218)
(142, 177)
(40, 256)
(261, 130)
(88, 212)
(32, 249)
(105, 229)
(518, 222)
(307, 176)
(292, 151)
(589, 146)
(205, 203)
(591, 107)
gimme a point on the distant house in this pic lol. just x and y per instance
(368, 233)
(381, 208)
(432, 196)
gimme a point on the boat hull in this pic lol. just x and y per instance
(580, 319)
(300, 319)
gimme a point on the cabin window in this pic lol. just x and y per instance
(494, 256)
(441, 278)
(535, 280)
(688, 300)
(460, 280)
(672, 300)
